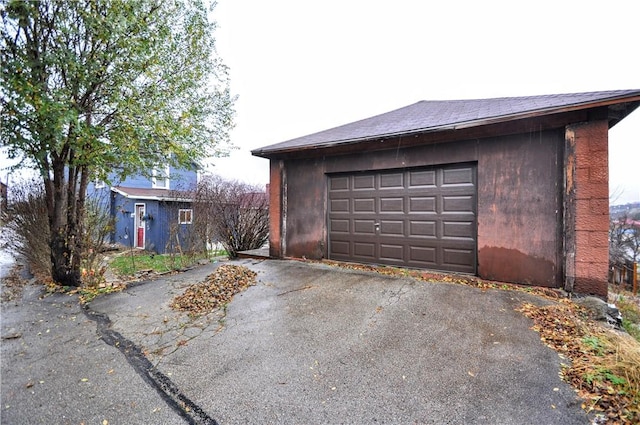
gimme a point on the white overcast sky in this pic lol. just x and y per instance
(303, 66)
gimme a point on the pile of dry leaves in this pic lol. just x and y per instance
(216, 291)
(433, 276)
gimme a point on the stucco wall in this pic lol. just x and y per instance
(519, 200)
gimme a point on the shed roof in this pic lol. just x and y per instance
(442, 115)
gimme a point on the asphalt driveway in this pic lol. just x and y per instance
(312, 344)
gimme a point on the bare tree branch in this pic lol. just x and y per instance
(232, 213)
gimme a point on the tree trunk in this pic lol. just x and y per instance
(63, 271)
(65, 250)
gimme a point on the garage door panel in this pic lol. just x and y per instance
(458, 229)
(392, 181)
(391, 205)
(422, 204)
(365, 250)
(392, 228)
(339, 205)
(424, 217)
(340, 248)
(457, 257)
(364, 227)
(339, 183)
(423, 255)
(338, 225)
(364, 182)
(425, 178)
(423, 228)
(392, 252)
(364, 205)
(457, 176)
(460, 204)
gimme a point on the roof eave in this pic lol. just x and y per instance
(149, 197)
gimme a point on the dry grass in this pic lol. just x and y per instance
(604, 364)
(625, 359)
(629, 306)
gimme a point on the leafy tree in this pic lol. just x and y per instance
(89, 87)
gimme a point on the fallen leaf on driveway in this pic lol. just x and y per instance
(14, 335)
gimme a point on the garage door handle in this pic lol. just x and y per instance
(376, 226)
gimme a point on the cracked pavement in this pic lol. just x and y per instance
(310, 343)
(57, 370)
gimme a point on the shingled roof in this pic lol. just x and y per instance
(442, 115)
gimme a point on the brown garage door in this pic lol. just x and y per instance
(422, 217)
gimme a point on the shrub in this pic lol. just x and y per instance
(233, 213)
(28, 227)
(28, 235)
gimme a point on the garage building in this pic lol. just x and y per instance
(509, 189)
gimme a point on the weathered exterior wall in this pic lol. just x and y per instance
(306, 205)
(520, 208)
(587, 207)
(519, 200)
(276, 217)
